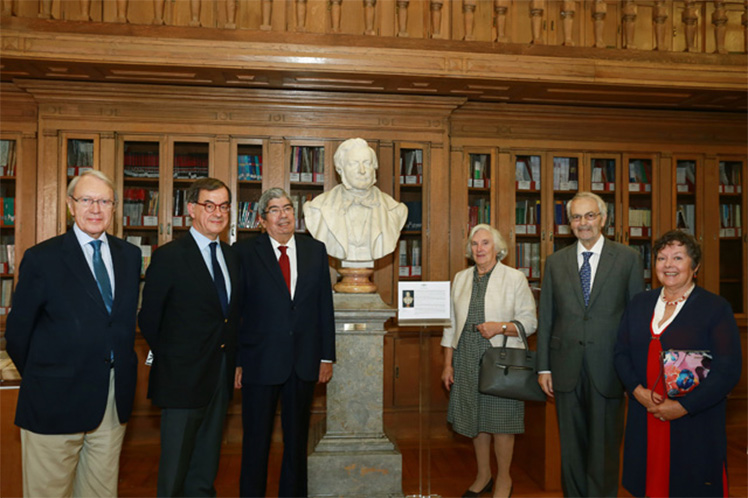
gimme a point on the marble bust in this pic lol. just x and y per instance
(356, 221)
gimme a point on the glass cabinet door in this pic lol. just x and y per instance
(411, 163)
(732, 235)
(528, 227)
(247, 158)
(638, 204)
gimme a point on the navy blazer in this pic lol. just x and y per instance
(60, 336)
(182, 320)
(698, 441)
(278, 335)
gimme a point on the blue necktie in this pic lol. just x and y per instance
(219, 280)
(102, 276)
(585, 275)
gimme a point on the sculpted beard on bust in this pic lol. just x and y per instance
(356, 221)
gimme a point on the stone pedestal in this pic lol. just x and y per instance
(355, 457)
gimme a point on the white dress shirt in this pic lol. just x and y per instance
(596, 250)
(88, 251)
(291, 252)
(203, 243)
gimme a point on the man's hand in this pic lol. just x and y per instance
(238, 378)
(546, 384)
(325, 372)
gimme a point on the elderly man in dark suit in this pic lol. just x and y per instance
(189, 317)
(286, 343)
(71, 333)
(585, 289)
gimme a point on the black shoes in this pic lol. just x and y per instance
(486, 489)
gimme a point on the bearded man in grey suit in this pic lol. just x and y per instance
(585, 289)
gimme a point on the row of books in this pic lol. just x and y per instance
(480, 171)
(409, 258)
(685, 176)
(248, 215)
(565, 174)
(640, 175)
(527, 212)
(141, 164)
(7, 211)
(479, 212)
(80, 153)
(730, 177)
(6, 295)
(415, 215)
(179, 203)
(528, 258)
(140, 207)
(730, 220)
(527, 172)
(7, 158)
(645, 251)
(685, 218)
(250, 167)
(307, 164)
(603, 175)
(77, 170)
(298, 201)
(145, 249)
(411, 167)
(640, 222)
(7, 258)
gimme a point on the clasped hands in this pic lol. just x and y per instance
(662, 407)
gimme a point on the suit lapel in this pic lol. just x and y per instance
(118, 261)
(78, 266)
(303, 264)
(266, 254)
(604, 267)
(195, 260)
(232, 263)
(572, 267)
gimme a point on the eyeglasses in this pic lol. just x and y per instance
(88, 202)
(276, 211)
(211, 207)
(587, 216)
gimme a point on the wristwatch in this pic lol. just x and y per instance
(503, 329)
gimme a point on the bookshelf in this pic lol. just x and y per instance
(247, 158)
(8, 162)
(308, 173)
(530, 234)
(733, 260)
(605, 181)
(688, 178)
(411, 163)
(80, 152)
(566, 172)
(638, 207)
(190, 160)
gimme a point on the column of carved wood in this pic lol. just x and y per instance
(536, 21)
(230, 14)
(567, 14)
(85, 6)
(468, 16)
(158, 12)
(719, 19)
(599, 11)
(267, 12)
(500, 9)
(402, 18)
(369, 6)
(45, 9)
(629, 23)
(659, 18)
(195, 12)
(436, 18)
(121, 11)
(8, 7)
(301, 15)
(744, 22)
(691, 24)
(335, 15)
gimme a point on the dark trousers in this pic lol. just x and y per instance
(591, 427)
(259, 403)
(191, 445)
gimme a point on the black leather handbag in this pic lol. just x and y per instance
(510, 372)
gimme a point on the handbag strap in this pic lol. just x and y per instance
(521, 333)
(660, 377)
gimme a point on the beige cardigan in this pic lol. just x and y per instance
(508, 297)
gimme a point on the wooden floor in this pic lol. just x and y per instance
(441, 468)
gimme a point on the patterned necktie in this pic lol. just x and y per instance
(219, 280)
(585, 275)
(285, 265)
(102, 276)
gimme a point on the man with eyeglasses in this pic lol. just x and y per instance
(71, 334)
(189, 317)
(585, 289)
(286, 343)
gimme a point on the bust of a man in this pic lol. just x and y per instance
(356, 221)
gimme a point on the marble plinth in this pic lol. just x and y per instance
(355, 457)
